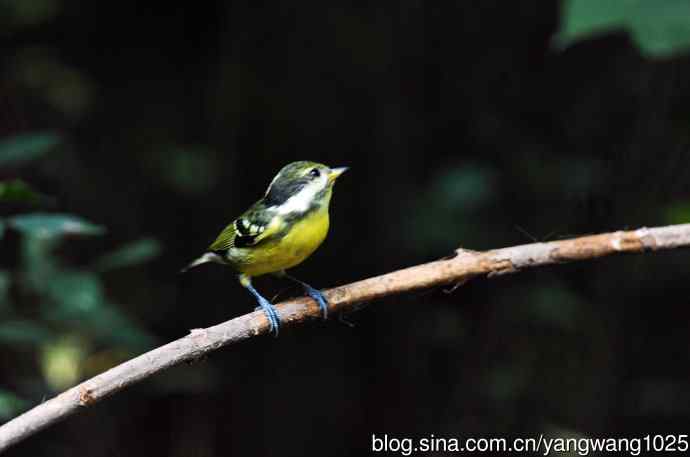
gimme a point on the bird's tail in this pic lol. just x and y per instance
(206, 258)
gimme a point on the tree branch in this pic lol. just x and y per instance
(460, 268)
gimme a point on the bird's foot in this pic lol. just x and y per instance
(315, 294)
(318, 297)
(270, 312)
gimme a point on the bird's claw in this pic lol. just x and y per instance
(319, 298)
(271, 314)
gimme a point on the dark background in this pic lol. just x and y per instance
(463, 125)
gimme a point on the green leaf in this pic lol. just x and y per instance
(23, 331)
(660, 28)
(23, 148)
(54, 224)
(133, 253)
(11, 405)
(18, 191)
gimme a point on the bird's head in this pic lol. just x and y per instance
(302, 186)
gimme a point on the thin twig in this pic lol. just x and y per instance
(457, 269)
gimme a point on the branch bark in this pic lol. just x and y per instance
(458, 269)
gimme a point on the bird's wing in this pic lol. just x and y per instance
(255, 225)
(225, 240)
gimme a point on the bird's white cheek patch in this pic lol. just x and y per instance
(299, 203)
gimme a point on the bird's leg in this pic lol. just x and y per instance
(264, 304)
(316, 294)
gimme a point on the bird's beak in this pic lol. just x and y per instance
(335, 172)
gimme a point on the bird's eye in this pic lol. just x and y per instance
(314, 173)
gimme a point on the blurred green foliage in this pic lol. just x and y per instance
(48, 225)
(62, 361)
(17, 191)
(23, 331)
(660, 28)
(20, 149)
(10, 403)
(130, 254)
(59, 311)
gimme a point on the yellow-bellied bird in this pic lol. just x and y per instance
(279, 231)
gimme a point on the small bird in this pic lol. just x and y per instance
(279, 231)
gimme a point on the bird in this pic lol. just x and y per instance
(278, 232)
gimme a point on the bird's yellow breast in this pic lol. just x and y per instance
(286, 251)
